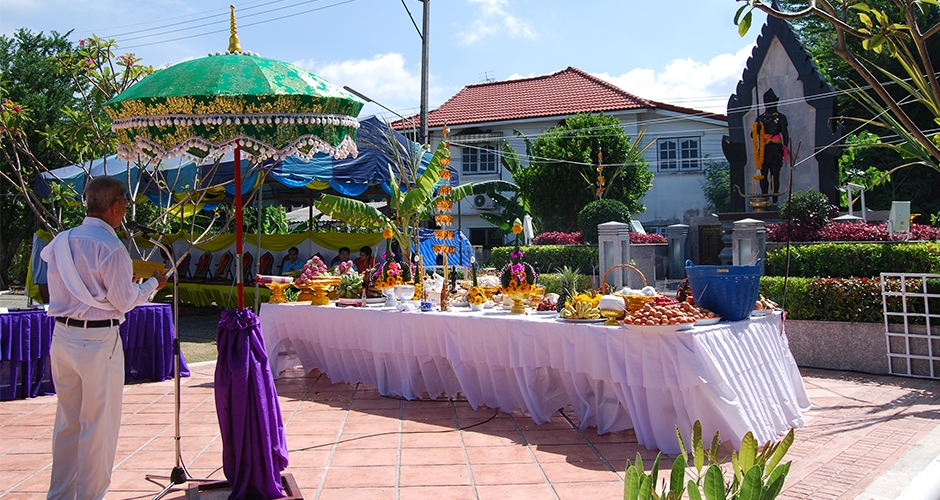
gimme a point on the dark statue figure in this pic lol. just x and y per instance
(771, 144)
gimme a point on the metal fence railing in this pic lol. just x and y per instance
(911, 305)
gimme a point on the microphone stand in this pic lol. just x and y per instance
(178, 474)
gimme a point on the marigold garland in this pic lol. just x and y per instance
(444, 219)
(757, 133)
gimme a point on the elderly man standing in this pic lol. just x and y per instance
(90, 290)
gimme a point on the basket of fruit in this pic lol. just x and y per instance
(634, 299)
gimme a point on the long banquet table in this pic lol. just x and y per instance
(734, 377)
(25, 337)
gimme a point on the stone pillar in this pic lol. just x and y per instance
(679, 251)
(725, 256)
(613, 248)
(748, 242)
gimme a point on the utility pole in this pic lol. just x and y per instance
(426, 22)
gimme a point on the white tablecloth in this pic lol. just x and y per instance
(734, 377)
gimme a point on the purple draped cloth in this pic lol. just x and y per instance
(147, 334)
(254, 450)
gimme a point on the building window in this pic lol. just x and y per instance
(479, 159)
(485, 237)
(678, 154)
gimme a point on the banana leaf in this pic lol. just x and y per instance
(424, 186)
(352, 211)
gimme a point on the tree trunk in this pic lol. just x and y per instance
(7, 253)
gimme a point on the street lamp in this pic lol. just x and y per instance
(365, 98)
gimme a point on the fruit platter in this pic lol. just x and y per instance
(665, 314)
(581, 308)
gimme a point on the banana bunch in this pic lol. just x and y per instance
(350, 286)
(580, 309)
(765, 303)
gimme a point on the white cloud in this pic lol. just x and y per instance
(384, 78)
(684, 82)
(495, 19)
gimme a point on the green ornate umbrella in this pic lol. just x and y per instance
(203, 107)
(236, 101)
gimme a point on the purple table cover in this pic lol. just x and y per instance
(254, 449)
(25, 338)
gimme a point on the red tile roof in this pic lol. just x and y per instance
(566, 92)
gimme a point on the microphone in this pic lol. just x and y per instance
(134, 226)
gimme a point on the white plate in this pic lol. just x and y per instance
(488, 305)
(460, 304)
(708, 321)
(570, 320)
(376, 300)
(658, 328)
(544, 312)
(757, 313)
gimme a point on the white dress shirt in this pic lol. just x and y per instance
(98, 286)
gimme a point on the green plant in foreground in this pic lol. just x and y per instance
(757, 475)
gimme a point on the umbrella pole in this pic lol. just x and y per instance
(240, 287)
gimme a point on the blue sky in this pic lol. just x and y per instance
(684, 52)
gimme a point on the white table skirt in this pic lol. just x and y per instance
(734, 377)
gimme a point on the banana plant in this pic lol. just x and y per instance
(408, 206)
(758, 473)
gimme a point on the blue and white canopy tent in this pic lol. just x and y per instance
(292, 177)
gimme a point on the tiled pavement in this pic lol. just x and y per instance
(347, 441)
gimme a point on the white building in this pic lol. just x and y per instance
(480, 117)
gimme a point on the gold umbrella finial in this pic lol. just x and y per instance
(233, 43)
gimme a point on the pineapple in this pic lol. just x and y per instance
(569, 283)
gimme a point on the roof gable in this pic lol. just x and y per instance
(566, 92)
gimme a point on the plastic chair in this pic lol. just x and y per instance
(247, 275)
(202, 267)
(224, 271)
(182, 267)
(266, 263)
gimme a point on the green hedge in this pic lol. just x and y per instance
(843, 299)
(552, 282)
(855, 259)
(551, 258)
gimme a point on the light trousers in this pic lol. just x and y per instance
(88, 371)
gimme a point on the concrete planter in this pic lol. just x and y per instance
(651, 260)
(839, 345)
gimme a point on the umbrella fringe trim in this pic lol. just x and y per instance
(305, 147)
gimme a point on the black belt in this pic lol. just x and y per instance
(81, 323)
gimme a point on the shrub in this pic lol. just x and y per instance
(552, 282)
(866, 259)
(642, 239)
(855, 231)
(551, 258)
(843, 299)
(811, 208)
(558, 238)
(599, 212)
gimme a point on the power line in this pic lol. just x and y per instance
(208, 14)
(225, 30)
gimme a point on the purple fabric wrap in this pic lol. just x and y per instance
(254, 450)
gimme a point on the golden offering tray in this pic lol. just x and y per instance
(277, 292)
(315, 289)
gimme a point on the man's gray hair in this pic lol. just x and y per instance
(102, 192)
